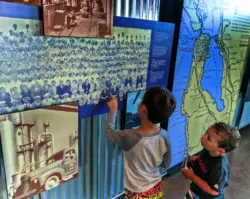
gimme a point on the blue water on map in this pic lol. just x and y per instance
(213, 67)
(212, 17)
(210, 23)
(213, 73)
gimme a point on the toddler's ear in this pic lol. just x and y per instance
(221, 151)
(144, 109)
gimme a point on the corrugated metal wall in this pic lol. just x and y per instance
(140, 9)
(101, 168)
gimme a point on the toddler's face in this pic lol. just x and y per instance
(211, 139)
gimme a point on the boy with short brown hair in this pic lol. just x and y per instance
(209, 172)
(146, 148)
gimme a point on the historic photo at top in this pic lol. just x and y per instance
(78, 18)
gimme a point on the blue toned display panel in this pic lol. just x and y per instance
(19, 11)
(39, 71)
(132, 119)
(212, 49)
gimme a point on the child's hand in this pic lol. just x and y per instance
(193, 158)
(188, 173)
(112, 104)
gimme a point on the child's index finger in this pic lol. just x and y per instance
(111, 95)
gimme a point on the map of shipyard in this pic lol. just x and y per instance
(212, 52)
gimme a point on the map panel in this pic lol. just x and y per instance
(212, 51)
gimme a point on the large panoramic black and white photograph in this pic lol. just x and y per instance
(40, 71)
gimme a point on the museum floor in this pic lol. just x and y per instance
(176, 186)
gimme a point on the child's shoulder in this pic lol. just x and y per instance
(163, 133)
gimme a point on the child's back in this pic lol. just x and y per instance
(146, 148)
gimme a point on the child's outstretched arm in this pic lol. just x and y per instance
(189, 174)
(112, 104)
(125, 139)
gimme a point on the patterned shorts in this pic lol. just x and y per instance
(153, 193)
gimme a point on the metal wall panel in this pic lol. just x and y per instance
(140, 9)
(101, 166)
(3, 190)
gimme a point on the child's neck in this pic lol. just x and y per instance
(214, 154)
(148, 128)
